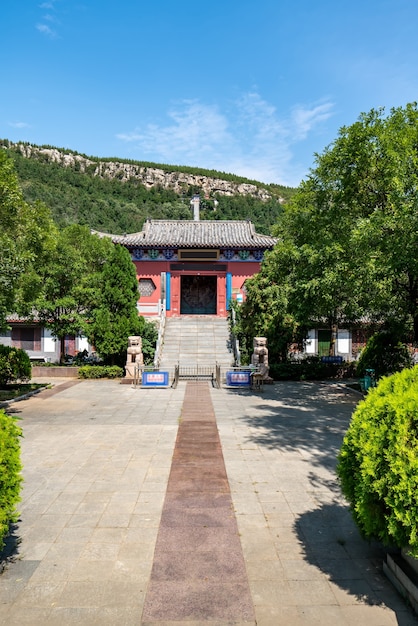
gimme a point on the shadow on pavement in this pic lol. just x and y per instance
(309, 420)
(309, 417)
(10, 551)
(331, 542)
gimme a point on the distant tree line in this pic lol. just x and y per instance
(197, 171)
(116, 206)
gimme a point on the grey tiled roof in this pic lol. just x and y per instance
(193, 234)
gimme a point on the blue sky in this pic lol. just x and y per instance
(251, 87)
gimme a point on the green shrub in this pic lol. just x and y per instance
(309, 368)
(10, 477)
(385, 354)
(100, 371)
(378, 462)
(14, 365)
(149, 337)
(286, 370)
(114, 371)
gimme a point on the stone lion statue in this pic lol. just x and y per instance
(134, 355)
(260, 359)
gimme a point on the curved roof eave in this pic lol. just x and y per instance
(195, 234)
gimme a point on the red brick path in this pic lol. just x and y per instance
(199, 571)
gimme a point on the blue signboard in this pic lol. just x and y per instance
(155, 379)
(331, 359)
(238, 379)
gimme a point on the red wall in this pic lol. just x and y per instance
(240, 271)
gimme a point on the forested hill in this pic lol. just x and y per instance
(116, 196)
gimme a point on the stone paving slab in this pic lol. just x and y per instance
(305, 560)
(97, 459)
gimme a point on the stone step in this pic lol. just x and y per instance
(196, 340)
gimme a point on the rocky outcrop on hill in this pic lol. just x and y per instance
(148, 176)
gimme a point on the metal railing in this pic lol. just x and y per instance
(138, 375)
(218, 375)
(197, 372)
(139, 370)
(234, 339)
(161, 330)
(256, 381)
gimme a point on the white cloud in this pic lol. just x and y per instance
(46, 30)
(43, 27)
(198, 134)
(259, 116)
(249, 137)
(305, 119)
(19, 125)
(195, 130)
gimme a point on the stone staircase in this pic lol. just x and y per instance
(196, 340)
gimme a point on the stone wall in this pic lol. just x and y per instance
(38, 371)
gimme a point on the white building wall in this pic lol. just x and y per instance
(311, 342)
(49, 343)
(6, 338)
(343, 346)
(343, 342)
(82, 344)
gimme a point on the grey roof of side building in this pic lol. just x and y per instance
(195, 234)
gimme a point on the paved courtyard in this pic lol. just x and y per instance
(100, 459)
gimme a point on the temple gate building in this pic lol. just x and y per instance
(194, 267)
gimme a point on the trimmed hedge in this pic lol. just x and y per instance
(310, 368)
(100, 371)
(14, 365)
(378, 462)
(10, 473)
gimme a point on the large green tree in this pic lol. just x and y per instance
(115, 317)
(11, 258)
(26, 240)
(71, 281)
(364, 191)
(348, 241)
(265, 314)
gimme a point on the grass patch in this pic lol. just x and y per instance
(12, 391)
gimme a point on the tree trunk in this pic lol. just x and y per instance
(333, 344)
(415, 322)
(62, 349)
